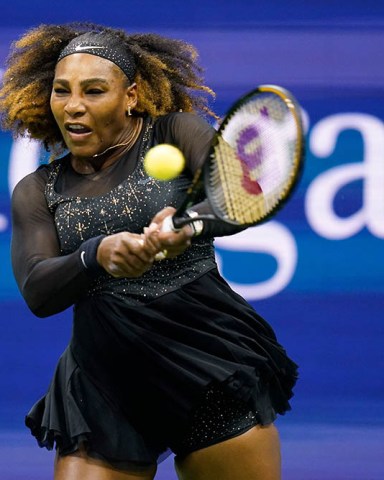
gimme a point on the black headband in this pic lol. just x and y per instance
(105, 45)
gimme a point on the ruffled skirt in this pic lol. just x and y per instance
(127, 385)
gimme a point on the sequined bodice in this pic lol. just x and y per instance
(130, 206)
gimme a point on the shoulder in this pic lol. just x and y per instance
(182, 120)
(36, 180)
(177, 125)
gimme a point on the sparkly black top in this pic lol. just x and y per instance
(129, 206)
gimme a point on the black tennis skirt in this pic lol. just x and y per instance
(127, 385)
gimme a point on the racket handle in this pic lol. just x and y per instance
(168, 225)
(175, 223)
(160, 256)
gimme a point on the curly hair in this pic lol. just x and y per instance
(168, 78)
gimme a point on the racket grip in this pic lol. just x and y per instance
(176, 223)
(168, 225)
(160, 256)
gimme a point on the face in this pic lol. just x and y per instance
(89, 101)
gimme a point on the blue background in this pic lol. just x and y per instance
(329, 314)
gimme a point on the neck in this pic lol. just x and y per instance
(110, 155)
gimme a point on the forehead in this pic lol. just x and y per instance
(85, 65)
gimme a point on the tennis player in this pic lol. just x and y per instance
(164, 356)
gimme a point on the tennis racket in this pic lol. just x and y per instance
(254, 163)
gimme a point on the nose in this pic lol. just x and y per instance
(74, 106)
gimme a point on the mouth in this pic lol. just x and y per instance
(77, 130)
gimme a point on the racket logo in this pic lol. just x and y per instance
(250, 153)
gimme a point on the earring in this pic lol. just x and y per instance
(128, 112)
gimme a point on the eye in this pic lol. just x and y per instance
(94, 91)
(60, 90)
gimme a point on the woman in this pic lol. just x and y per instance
(163, 355)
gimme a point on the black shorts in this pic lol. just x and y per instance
(218, 417)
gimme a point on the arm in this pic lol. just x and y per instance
(194, 136)
(49, 282)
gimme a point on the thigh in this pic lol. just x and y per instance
(79, 466)
(254, 455)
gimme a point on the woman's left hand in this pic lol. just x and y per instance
(170, 244)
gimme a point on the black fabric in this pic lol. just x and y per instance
(128, 207)
(218, 417)
(151, 365)
(75, 412)
(88, 253)
(104, 45)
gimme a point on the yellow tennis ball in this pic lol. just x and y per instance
(164, 162)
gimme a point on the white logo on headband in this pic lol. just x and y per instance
(87, 47)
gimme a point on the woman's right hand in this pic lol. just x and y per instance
(125, 255)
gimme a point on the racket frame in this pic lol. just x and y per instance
(201, 178)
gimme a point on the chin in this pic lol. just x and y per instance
(83, 152)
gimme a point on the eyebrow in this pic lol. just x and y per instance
(83, 83)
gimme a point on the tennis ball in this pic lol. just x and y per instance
(164, 162)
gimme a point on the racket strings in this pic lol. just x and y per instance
(230, 196)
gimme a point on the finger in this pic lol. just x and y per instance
(123, 255)
(128, 266)
(138, 250)
(174, 239)
(166, 212)
(151, 237)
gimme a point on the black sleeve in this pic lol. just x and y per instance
(48, 282)
(193, 135)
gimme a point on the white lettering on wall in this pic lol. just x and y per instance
(3, 223)
(273, 239)
(322, 191)
(23, 159)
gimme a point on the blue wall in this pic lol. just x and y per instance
(316, 270)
